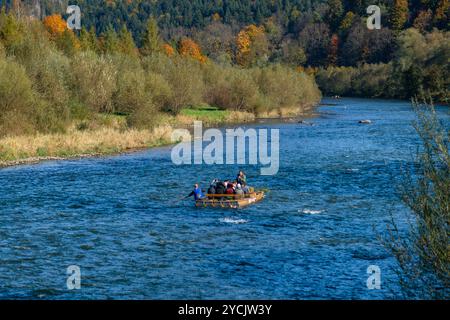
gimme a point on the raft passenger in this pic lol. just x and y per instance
(197, 193)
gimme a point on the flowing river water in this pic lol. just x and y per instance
(118, 218)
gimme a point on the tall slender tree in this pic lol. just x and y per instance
(151, 43)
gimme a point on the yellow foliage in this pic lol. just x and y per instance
(168, 50)
(188, 48)
(55, 24)
(245, 39)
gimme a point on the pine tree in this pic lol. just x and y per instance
(88, 40)
(151, 42)
(126, 42)
(110, 41)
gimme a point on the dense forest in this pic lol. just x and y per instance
(138, 58)
(405, 57)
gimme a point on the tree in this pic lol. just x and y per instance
(55, 24)
(422, 251)
(151, 42)
(347, 21)
(68, 42)
(315, 39)
(423, 20)
(188, 48)
(16, 100)
(399, 14)
(88, 40)
(126, 43)
(216, 40)
(168, 50)
(293, 53)
(333, 50)
(110, 41)
(252, 46)
(334, 14)
(11, 30)
(441, 14)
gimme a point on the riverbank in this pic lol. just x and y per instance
(113, 137)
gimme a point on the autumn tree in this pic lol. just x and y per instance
(333, 50)
(168, 50)
(68, 42)
(55, 24)
(423, 20)
(399, 14)
(347, 21)
(442, 13)
(189, 48)
(252, 46)
(293, 53)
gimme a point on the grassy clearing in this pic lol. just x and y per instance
(108, 134)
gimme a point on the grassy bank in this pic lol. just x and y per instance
(108, 135)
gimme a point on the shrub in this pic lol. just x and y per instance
(94, 81)
(16, 100)
(144, 117)
(130, 92)
(159, 90)
(184, 77)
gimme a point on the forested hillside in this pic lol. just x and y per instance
(323, 34)
(327, 38)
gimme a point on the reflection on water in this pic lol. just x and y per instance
(120, 220)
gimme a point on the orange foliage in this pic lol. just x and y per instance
(55, 24)
(168, 50)
(333, 50)
(244, 41)
(188, 48)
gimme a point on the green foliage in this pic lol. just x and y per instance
(11, 30)
(422, 63)
(399, 14)
(126, 43)
(422, 251)
(159, 89)
(285, 88)
(151, 43)
(75, 76)
(419, 66)
(16, 98)
(94, 81)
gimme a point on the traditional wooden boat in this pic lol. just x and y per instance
(232, 201)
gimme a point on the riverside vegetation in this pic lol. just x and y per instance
(65, 95)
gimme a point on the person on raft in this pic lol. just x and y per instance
(238, 187)
(241, 178)
(197, 193)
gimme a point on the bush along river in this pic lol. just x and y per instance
(119, 220)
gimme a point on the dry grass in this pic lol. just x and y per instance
(79, 143)
(106, 137)
(286, 112)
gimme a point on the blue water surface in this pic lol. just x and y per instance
(119, 220)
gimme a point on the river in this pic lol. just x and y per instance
(117, 218)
